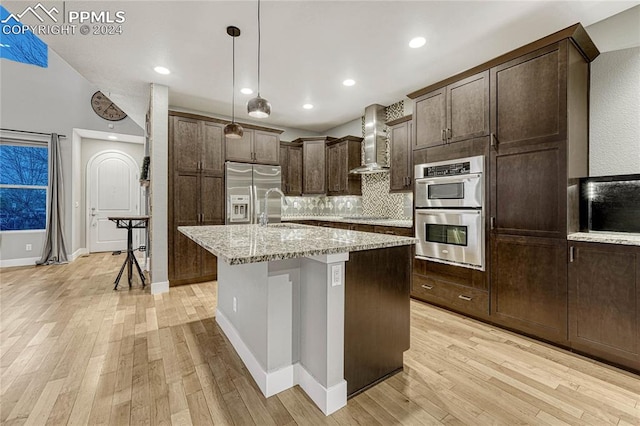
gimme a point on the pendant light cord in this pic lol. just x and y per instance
(233, 79)
(258, 48)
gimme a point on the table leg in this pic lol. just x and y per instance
(119, 275)
(139, 270)
(129, 252)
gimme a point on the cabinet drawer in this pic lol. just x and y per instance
(394, 230)
(460, 298)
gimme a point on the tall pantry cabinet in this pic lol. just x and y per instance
(196, 194)
(539, 114)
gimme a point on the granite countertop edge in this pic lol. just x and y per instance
(309, 253)
(394, 241)
(606, 238)
(395, 223)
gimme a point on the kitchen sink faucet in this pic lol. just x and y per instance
(264, 216)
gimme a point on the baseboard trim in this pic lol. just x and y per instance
(329, 400)
(26, 261)
(160, 287)
(76, 254)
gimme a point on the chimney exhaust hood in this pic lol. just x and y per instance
(375, 141)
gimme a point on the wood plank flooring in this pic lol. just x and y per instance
(73, 351)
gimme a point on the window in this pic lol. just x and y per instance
(23, 186)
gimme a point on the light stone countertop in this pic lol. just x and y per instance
(241, 244)
(607, 238)
(398, 223)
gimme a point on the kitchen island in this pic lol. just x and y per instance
(327, 309)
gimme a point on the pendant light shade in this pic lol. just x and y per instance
(233, 130)
(259, 107)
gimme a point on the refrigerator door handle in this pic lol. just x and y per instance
(256, 206)
(251, 205)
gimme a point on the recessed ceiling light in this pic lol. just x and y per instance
(112, 137)
(349, 82)
(417, 42)
(246, 91)
(162, 70)
(307, 106)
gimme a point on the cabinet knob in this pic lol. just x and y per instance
(571, 254)
(444, 136)
(493, 222)
(463, 297)
(427, 287)
(449, 133)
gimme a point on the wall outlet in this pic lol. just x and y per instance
(28, 247)
(336, 275)
(235, 305)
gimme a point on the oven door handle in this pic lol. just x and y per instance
(444, 179)
(428, 212)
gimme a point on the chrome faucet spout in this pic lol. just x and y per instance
(264, 216)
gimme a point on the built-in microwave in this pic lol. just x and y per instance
(445, 184)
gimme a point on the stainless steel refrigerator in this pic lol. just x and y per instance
(246, 185)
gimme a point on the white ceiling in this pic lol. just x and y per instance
(308, 49)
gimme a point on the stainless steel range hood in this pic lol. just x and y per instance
(375, 141)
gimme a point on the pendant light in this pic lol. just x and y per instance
(233, 130)
(258, 107)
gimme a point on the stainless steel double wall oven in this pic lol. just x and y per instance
(449, 212)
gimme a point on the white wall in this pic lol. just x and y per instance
(52, 99)
(614, 127)
(350, 128)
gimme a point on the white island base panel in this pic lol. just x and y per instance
(285, 319)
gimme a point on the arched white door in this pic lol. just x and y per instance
(112, 190)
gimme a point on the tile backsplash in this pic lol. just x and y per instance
(375, 200)
(323, 206)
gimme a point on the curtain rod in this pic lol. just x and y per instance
(31, 133)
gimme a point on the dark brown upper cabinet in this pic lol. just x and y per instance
(401, 169)
(256, 146)
(266, 146)
(532, 155)
(343, 155)
(453, 113)
(528, 98)
(291, 165)
(314, 175)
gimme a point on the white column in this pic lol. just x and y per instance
(159, 187)
(321, 366)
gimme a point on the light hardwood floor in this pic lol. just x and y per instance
(73, 351)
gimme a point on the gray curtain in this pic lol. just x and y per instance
(54, 250)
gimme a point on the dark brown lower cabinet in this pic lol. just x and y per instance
(604, 301)
(529, 285)
(377, 286)
(462, 290)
